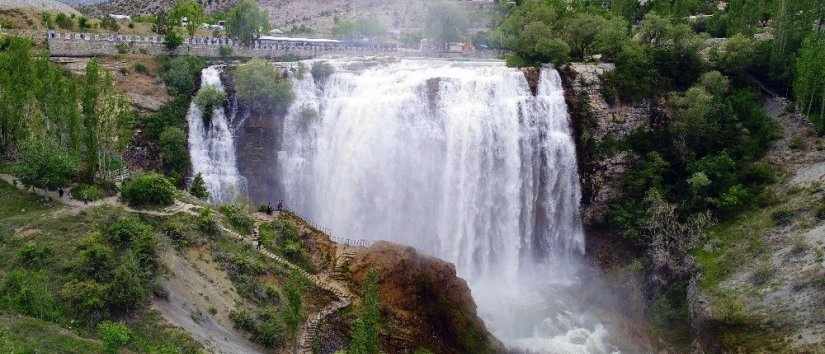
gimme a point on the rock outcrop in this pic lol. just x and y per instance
(597, 124)
(424, 303)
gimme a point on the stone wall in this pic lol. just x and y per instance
(72, 44)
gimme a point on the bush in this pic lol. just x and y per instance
(198, 187)
(87, 192)
(113, 335)
(320, 71)
(64, 21)
(208, 99)
(172, 40)
(225, 51)
(179, 74)
(174, 151)
(207, 222)
(123, 232)
(28, 293)
(86, 299)
(34, 255)
(782, 217)
(239, 218)
(141, 69)
(148, 189)
(122, 48)
(261, 88)
(129, 287)
(44, 164)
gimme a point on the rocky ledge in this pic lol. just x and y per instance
(424, 304)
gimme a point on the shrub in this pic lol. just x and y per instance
(782, 217)
(261, 88)
(27, 292)
(86, 299)
(129, 287)
(174, 152)
(148, 189)
(87, 192)
(208, 99)
(207, 222)
(141, 69)
(225, 51)
(820, 211)
(198, 187)
(42, 163)
(64, 21)
(239, 218)
(123, 232)
(172, 40)
(95, 259)
(122, 48)
(179, 74)
(33, 255)
(320, 71)
(113, 335)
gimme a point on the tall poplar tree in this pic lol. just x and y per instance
(90, 118)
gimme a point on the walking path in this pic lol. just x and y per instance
(324, 281)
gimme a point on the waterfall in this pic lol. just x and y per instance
(461, 161)
(212, 146)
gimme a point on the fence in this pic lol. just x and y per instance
(352, 242)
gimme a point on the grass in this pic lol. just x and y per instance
(26, 223)
(737, 242)
(21, 334)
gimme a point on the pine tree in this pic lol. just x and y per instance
(198, 187)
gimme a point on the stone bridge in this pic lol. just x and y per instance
(77, 44)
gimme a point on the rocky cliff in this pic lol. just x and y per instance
(425, 305)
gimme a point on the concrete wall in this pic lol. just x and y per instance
(71, 44)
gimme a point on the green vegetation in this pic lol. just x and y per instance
(191, 11)
(43, 164)
(180, 72)
(358, 29)
(261, 88)
(208, 99)
(246, 21)
(174, 153)
(198, 187)
(367, 327)
(239, 218)
(149, 189)
(293, 313)
(445, 22)
(321, 70)
(281, 236)
(87, 192)
(80, 272)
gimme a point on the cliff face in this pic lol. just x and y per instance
(424, 303)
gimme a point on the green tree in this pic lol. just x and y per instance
(446, 22)
(809, 87)
(246, 21)
(114, 335)
(91, 93)
(149, 189)
(189, 10)
(179, 74)
(129, 287)
(43, 164)
(367, 327)
(208, 99)
(358, 29)
(174, 152)
(198, 187)
(16, 76)
(261, 88)
(581, 33)
(172, 40)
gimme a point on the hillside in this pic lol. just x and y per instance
(38, 5)
(316, 14)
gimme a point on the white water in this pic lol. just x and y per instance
(461, 161)
(212, 147)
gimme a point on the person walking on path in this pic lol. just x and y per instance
(60, 192)
(280, 205)
(257, 238)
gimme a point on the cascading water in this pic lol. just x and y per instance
(212, 146)
(461, 161)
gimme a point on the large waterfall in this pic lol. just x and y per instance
(462, 161)
(212, 146)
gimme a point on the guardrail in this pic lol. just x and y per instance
(352, 242)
